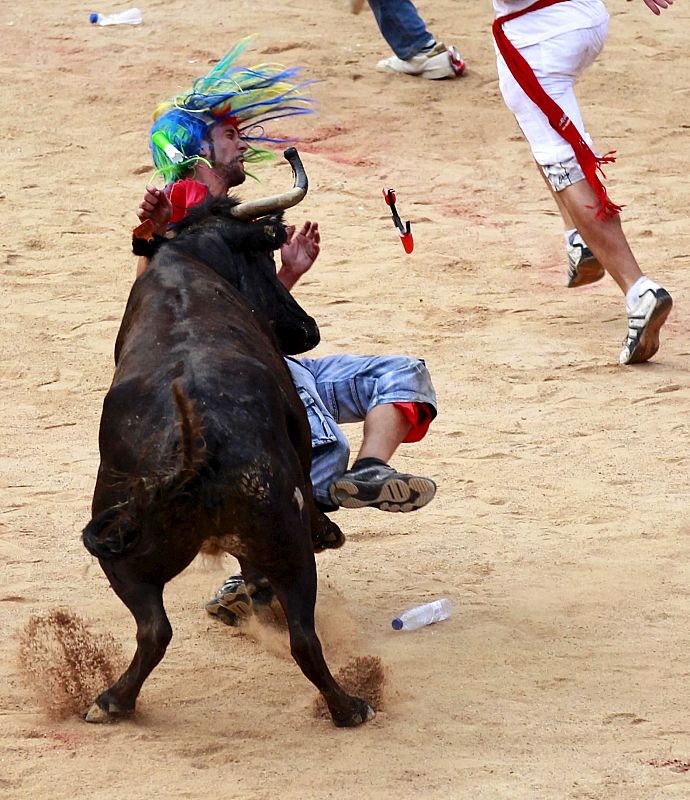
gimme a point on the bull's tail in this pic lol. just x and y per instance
(154, 500)
(192, 449)
(112, 533)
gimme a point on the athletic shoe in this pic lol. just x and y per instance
(380, 486)
(439, 62)
(235, 599)
(583, 266)
(644, 323)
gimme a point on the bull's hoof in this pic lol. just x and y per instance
(362, 713)
(98, 714)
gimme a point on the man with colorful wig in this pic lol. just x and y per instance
(200, 143)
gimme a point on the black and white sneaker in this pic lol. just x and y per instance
(376, 485)
(644, 323)
(583, 266)
(235, 600)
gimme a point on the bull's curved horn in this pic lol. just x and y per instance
(278, 202)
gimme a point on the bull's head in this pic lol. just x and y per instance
(254, 276)
(239, 251)
(295, 330)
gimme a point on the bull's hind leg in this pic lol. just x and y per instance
(154, 633)
(296, 591)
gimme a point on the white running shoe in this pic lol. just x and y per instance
(440, 62)
(644, 323)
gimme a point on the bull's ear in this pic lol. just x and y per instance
(274, 231)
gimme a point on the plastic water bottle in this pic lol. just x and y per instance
(130, 17)
(427, 614)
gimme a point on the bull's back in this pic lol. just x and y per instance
(186, 329)
(239, 407)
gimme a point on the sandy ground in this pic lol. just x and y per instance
(559, 529)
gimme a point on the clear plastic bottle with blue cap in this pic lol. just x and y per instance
(132, 16)
(427, 614)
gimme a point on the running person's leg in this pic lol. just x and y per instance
(416, 50)
(557, 63)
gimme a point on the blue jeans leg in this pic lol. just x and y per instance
(330, 449)
(350, 386)
(341, 389)
(401, 26)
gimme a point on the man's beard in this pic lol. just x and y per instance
(233, 174)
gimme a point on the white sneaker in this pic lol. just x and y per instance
(439, 62)
(644, 323)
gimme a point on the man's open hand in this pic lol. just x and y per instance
(299, 252)
(157, 207)
(656, 5)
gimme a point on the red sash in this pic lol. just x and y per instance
(523, 74)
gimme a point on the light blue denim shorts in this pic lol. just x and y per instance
(342, 389)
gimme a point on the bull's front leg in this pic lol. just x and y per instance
(154, 633)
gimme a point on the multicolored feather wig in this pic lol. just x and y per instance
(249, 97)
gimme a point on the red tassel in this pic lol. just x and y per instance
(562, 124)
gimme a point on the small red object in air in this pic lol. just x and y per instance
(404, 230)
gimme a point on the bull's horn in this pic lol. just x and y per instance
(279, 202)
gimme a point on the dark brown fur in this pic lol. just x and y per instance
(204, 441)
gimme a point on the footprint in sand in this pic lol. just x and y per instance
(623, 718)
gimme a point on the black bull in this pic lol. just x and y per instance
(204, 441)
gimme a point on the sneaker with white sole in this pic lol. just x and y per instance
(644, 323)
(583, 265)
(439, 62)
(380, 486)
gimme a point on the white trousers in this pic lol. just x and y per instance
(557, 63)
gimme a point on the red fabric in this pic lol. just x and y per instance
(183, 195)
(420, 416)
(522, 72)
(229, 121)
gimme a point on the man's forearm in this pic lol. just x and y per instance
(287, 277)
(142, 263)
